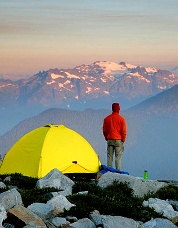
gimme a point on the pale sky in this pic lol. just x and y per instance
(37, 35)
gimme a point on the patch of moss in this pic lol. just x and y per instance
(3, 189)
(168, 192)
(36, 195)
(24, 182)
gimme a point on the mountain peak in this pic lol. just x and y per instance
(87, 86)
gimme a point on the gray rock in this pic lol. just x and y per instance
(44, 211)
(49, 224)
(3, 214)
(140, 186)
(56, 179)
(158, 223)
(7, 179)
(96, 218)
(66, 226)
(10, 199)
(2, 185)
(71, 219)
(118, 221)
(59, 203)
(162, 207)
(173, 203)
(83, 223)
(58, 221)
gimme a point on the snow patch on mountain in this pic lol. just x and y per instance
(66, 82)
(136, 74)
(162, 87)
(72, 75)
(89, 90)
(61, 85)
(172, 76)
(150, 69)
(2, 86)
(114, 69)
(51, 82)
(140, 77)
(55, 76)
(110, 66)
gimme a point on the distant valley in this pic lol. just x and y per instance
(152, 133)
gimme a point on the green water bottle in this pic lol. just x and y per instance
(145, 175)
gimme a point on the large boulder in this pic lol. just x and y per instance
(162, 207)
(43, 210)
(84, 223)
(21, 216)
(158, 223)
(140, 186)
(56, 179)
(113, 221)
(10, 199)
(60, 203)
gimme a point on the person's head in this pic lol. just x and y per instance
(115, 107)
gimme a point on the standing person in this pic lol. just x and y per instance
(115, 131)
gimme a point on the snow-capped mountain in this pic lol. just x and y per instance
(95, 84)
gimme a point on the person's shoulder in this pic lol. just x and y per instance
(122, 117)
(108, 116)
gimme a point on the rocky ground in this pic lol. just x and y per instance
(13, 213)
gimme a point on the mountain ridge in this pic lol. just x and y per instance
(94, 85)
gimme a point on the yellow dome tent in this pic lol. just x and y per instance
(49, 147)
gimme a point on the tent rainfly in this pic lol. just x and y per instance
(49, 147)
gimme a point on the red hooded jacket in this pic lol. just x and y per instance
(114, 127)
